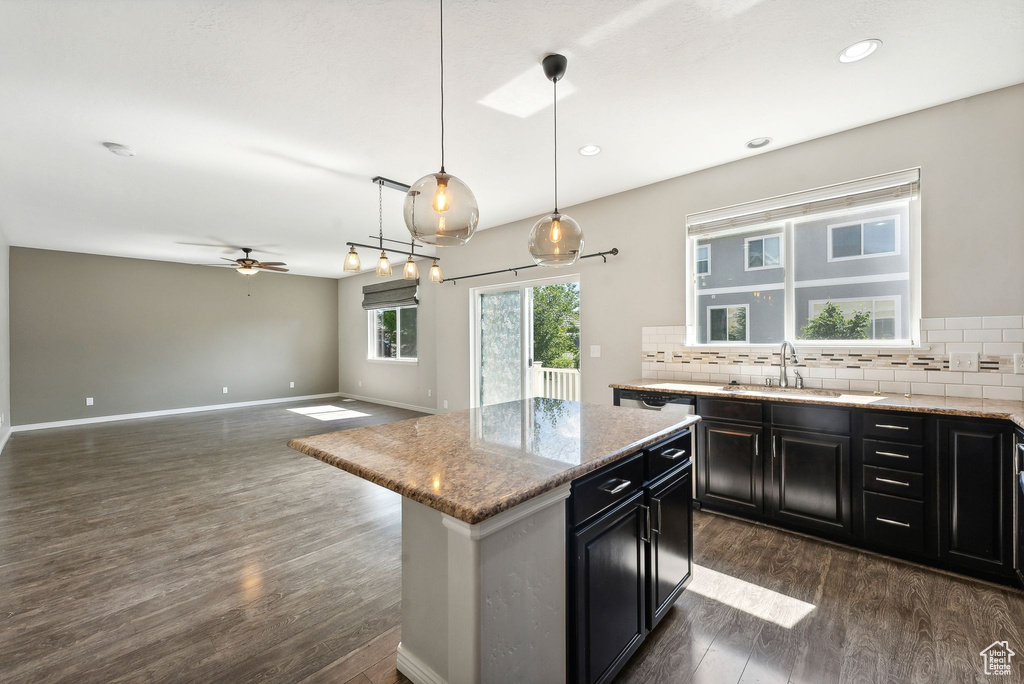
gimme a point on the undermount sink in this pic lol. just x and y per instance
(771, 389)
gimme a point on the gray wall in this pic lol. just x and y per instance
(397, 382)
(149, 335)
(972, 231)
(5, 338)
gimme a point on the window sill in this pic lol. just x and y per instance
(807, 344)
(400, 362)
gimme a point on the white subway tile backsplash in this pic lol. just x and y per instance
(1013, 335)
(930, 388)
(933, 323)
(1003, 321)
(831, 384)
(1013, 380)
(963, 323)
(988, 335)
(911, 376)
(821, 372)
(946, 378)
(945, 335)
(982, 379)
(849, 373)
(1010, 393)
(1004, 348)
(864, 385)
(894, 387)
(965, 391)
(879, 374)
(964, 347)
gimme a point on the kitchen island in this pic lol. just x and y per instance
(485, 524)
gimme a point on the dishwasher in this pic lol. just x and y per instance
(682, 404)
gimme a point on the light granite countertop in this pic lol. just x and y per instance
(999, 409)
(475, 464)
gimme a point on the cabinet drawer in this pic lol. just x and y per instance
(894, 427)
(895, 482)
(606, 488)
(668, 455)
(812, 418)
(730, 409)
(894, 521)
(893, 455)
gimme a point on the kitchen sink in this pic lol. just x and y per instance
(766, 389)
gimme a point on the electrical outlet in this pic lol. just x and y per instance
(88, 401)
(964, 362)
(445, 402)
(224, 390)
(430, 392)
(291, 384)
(1018, 364)
(595, 351)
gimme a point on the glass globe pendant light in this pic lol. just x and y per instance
(383, 265)
(439, 208)
(556, 239)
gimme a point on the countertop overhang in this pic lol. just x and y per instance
(476, 463)
(997, 409)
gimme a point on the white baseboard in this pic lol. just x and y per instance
(385, 402)
(4, 437)
(415, 669)
(165, 412)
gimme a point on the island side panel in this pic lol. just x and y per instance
(423, 653)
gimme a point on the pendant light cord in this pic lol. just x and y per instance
(441, 13)
(555, 84)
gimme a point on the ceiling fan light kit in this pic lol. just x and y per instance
(556, 239)
(248, 266)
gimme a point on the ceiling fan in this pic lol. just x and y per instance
(248, 266)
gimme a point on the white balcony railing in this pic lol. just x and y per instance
(556, 383)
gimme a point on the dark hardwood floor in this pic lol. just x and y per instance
(200, 548)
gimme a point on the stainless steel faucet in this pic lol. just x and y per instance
(783, 381)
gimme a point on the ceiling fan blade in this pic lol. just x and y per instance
(272, 268)
(273, 263)
(231, 260)
(230, 265)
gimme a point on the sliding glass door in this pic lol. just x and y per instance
(525, 341)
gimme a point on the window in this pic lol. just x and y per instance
(703, 259)
(861, 240)
(882, 323)
(392, 334)
(833, 265)
(727, 323)
(763, 252)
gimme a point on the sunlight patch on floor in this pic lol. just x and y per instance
(762, 603)
(328, 412)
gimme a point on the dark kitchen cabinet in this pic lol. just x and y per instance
(810, 480)
(671, 547)
(729, 468)
(975, 491)
(610, 592)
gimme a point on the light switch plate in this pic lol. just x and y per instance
(291, 384)
(88, 401)
(595, 351)
(964, 362)
(1018, 364)
(225, 390)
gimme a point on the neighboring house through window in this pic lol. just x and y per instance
(728, 323)
(703, 259)
(864, 239)
(763, 252)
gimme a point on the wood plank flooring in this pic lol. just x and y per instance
(199, 548)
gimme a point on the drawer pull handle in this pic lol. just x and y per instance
(890, 453)
(673, 454)
(647, 525)
(893, 427)
(615, 486)
(656, 502)
(895, 482)
(897, 523)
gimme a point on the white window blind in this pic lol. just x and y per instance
(890, 186)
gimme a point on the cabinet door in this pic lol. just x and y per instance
(811, 480)
(671, 559)
(610, 593)
(974, 495)
(729, 472)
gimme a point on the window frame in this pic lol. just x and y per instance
(896, 238)
(911, 243)
(371, 336)
(897, 313)
(696, 250)
(746, 328)
(782, 251)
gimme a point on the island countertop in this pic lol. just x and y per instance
(477, 463)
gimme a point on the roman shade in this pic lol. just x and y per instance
(390, 294)
(887, 187)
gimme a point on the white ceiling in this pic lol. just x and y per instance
(261, 123)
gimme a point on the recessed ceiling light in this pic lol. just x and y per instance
(758, 142)
(119, 149)
(859, 51)
(590, 150)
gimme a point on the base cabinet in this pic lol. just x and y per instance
(810, 483)
(975, 494)
(671, 548)
(729, 469)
